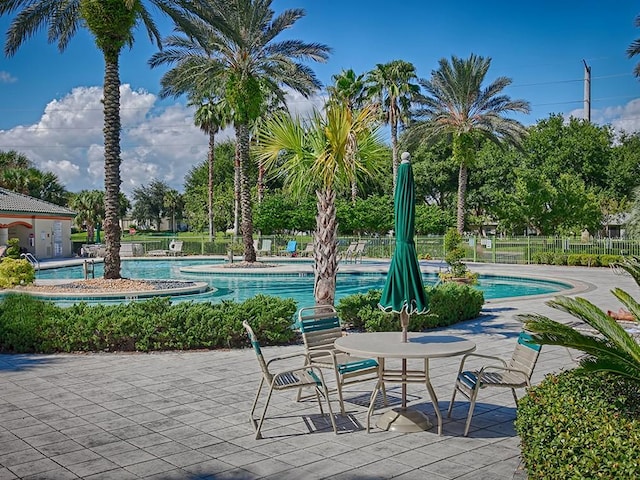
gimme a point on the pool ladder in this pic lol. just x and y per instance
(32, 260)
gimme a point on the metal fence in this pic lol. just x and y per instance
(516, 250)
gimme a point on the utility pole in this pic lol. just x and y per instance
(587, 91)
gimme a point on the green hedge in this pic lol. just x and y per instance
(31, 325)
(449, 303)
(579, 425)
(576, 259)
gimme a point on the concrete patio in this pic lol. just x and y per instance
(184, 415)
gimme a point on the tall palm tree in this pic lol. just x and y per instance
(391, 85)
(634, 49)
(232, 43)
(211, 116)
(315, 156)
(111, 22)
(457, 104)
(350, 89)
(89, 207)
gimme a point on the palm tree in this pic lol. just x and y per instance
(315, 156)
(172, 202)
(456, 104)
(391, 84)
(232, 43)
(614, 351)
(634, 48)
(89, 207)
(211, 116)
(111, 22)
(350, 89)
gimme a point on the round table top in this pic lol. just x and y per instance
(390, 345)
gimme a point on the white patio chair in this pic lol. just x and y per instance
(307, 376)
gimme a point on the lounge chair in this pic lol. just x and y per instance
(266, 247)
(175, 247)
(348, 253)
(513, 374)
(292, 246)
(320, 327)
(307, 376)
(359, 251)
(308, 250)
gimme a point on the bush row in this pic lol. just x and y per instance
(581, 425)
(575, 259)
(31, 325)
(448, 303)
(28, 324)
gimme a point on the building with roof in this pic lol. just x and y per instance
(43, 229)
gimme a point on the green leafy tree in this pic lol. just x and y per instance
(111, 22)
(233, 44)
(456, 104)
(370, 215)
(315, 156)
(149, 203)
(173, 205)
(393, 86)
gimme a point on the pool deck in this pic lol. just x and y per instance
(184, 415)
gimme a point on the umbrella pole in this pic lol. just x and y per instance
(404, 321)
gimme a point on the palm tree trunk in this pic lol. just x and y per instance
(325, 243)
(236, 192)
(211, 159)
(242, 136)
(394, 146)
(462, 192)
(112, 161)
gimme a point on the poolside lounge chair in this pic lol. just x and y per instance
(266, 247)
(308, 250)
(307, 376)
(347, 255)
(513, 374)
(292, 246)
(320, 327)
(359, 251)
(175, 247)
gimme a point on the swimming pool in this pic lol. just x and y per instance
(299, 286)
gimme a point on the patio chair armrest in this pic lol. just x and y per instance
(328, 352)
(287, 356)
(478, 355)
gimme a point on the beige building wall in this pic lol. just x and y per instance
(41, 235)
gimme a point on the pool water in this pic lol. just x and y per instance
(299, 287)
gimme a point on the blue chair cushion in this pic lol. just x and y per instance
(355, 366)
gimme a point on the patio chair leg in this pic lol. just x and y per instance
(325, 394)
(472, 405)
(255, 403)
(384, 395)
(453, 398)
(340, 399)
(264, 414)
(515, 397)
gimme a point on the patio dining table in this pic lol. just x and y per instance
(389, 345)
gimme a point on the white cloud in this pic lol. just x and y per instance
(157, 142)
(6, 77)
(620, 117)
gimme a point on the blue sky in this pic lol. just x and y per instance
(50, 102)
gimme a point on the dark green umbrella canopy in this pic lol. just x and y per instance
(403, 291)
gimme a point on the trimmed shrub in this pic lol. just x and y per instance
(606, 260)
(31, 325)
(452, 302)
(575, 259)
(581, 425)
(16, 272)
(449, 303)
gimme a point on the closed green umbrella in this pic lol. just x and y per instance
(403, 291)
